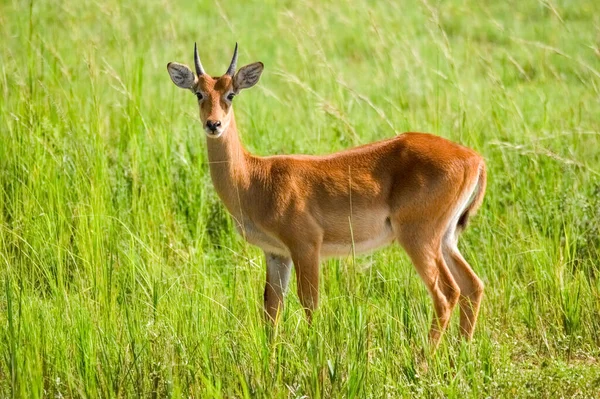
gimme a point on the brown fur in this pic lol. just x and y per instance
(413, 188)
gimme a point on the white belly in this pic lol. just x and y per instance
(331, 249)
(256, 236)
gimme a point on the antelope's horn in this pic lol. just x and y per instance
(231, 69)
(199, 69)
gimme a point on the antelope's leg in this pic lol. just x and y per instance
(427, 257)
(471, 289)
(306, 263)
(278, 276)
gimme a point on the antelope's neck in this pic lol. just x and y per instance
(228, 162)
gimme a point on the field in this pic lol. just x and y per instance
(121, 274)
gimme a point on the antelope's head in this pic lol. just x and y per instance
(215, 94)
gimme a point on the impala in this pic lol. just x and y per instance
(415, 188)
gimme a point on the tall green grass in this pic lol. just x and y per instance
(121, 274)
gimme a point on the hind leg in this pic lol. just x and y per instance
(429, 261)
(471, 287)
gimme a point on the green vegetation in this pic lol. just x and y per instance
(120, 272)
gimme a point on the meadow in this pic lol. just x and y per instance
(121, 274)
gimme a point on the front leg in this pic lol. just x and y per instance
(278, 276)
(306, 263)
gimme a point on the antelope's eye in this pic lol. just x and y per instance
(230, 96)
(199, 95)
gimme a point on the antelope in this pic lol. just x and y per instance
(415, 188)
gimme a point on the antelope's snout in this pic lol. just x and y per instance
(213, 125)
(213, 128)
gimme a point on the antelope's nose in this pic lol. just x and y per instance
(213, 125)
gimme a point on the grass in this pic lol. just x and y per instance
(121, 274)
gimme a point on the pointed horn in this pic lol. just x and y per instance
(231, 70)
(199, 69)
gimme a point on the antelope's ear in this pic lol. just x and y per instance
(181, 75)
(247, 76)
